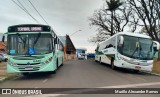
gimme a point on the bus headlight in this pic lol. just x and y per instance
(47, 61)
(11, 63)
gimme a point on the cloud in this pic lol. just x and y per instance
(65, 16)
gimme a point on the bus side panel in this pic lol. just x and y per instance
(108, 50)
(59, 57)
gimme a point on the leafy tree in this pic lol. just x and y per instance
(112, 6)
(109, 22)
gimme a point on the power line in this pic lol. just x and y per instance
(27, 11)
(24, 9)
(38, 12)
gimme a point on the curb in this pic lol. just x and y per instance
(2, 79)
(153, 73)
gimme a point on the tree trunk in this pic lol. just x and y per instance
(112, 23)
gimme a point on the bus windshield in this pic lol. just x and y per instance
(136, 47)
(29, 44)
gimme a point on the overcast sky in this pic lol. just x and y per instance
(65, 16)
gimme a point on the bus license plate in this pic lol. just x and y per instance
(28, 68)
(138, 67)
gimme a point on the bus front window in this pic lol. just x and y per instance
(136, 47)
(42, 44)
(20, 44)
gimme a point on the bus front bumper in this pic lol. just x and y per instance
(35, 68)
(147, 68)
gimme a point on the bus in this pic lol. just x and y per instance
(33, 48)
(127, 50)
(81, 53)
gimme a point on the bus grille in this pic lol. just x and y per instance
(34, 69)
(30, 64)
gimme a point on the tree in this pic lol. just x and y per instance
(108, 24)
(148, 13)
(112, 6)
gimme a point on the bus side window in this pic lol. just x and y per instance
(108, 46)
(119, 46)
(58, 44)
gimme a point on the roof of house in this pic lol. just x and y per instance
(63, 39)
(67, 42)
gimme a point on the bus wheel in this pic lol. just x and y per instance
(57, 65)
(54, 72)
(62, 62)
(136, 71)
(112, 64)
(100, 60)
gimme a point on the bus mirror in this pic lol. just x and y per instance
(3, 38)
(55, 40)
(156, 45)
(121, 40)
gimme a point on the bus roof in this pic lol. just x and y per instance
(134, 34)
(129, 34)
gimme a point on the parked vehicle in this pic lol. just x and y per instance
(80, 52)
(127, 50)
(91, 56)
(33, 48)
(3, 57)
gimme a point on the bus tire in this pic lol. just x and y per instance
(112, 64)
(100, 60)
(57, 65)
(54, 72)
(136, 71)
(62, 62)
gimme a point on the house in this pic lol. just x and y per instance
(69, 48)
(3, 44)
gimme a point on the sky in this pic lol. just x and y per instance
(65, 17)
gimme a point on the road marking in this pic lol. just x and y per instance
(91, 90)
(44, 80)
(35, 87)
(141, 79)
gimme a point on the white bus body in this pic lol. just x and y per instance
(127, 50)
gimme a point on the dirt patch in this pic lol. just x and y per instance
(3, 71)
(156, 67)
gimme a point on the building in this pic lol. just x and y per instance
(3, 44)
(69, 48)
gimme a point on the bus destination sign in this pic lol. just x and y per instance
(28, 29)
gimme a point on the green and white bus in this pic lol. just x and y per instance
(33, 48)
(127, 50)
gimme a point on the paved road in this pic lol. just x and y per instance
(85, 74)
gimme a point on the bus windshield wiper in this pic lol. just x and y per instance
(134, 52)
(20, 37)
(24, 41)
(137, 46)
(37, 39)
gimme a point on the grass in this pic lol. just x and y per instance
(156, 67)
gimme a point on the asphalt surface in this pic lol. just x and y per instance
(86, 74)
